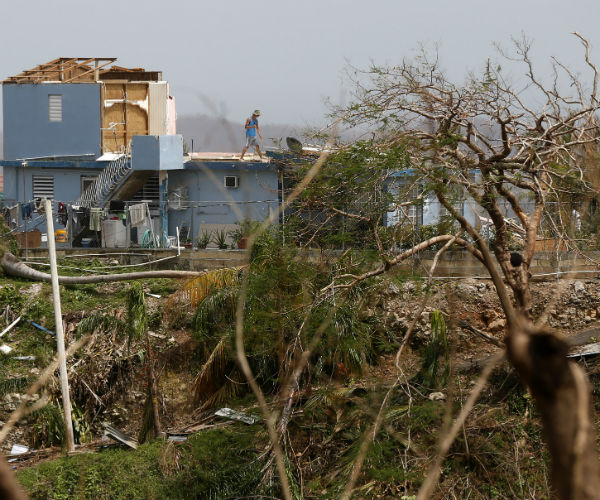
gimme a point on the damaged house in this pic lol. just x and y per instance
(100, 141)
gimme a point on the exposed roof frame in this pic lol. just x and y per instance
(60, 66)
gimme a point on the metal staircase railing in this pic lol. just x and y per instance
(107, 180)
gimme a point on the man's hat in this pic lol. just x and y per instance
(256, 112)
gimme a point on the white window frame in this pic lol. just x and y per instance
(236, 181)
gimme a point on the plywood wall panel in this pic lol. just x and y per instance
(157, 109)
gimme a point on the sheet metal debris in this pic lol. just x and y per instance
(585, 350)
(177, 438)
(117, 435)
(237, 415)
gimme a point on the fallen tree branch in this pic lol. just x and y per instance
(14, 267)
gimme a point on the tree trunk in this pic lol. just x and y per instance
(10, 489)
(562, 394)
(14, 267)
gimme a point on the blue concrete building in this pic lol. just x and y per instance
(94, 136)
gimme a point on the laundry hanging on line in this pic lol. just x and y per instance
(138, 214)
(27, 210)
(96, 217)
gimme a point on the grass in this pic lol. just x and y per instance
(224, 464)
(211, 464)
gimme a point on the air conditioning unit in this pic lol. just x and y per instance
(231, 181)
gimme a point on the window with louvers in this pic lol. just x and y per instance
(43, 186)
(55, 107)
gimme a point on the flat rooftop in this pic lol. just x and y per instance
(217, 156)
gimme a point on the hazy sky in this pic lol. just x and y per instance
(282, 57)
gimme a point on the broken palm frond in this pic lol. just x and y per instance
(169, 459)
(219, 379)
(137, 320)
(432, 374)
(105, 372)
(212, 373)
(219, 305)
(47, 426)
(98, 323)
(197, 289)
(23, 410)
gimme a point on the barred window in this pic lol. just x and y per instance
(43, 186)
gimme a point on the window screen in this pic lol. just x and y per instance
(55, 107)
(43, 186)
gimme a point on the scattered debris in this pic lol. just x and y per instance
(40, 327)
(237, 415)
(157, 335)
(9, 327)
(202, 427)
(155, 295)
(586, 350)
(117, 435)
(177, 437)
(24, 358)
(437, 396)
(5, 348)
(18, 449)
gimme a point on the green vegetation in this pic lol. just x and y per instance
(212, 464)
(283, 310)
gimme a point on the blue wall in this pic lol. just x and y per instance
(256, 185)
(67, 182)
(157, 152)
(67, 185)
(29, 134)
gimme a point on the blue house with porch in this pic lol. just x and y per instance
(99, 138)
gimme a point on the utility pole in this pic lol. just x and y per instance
(60, 336)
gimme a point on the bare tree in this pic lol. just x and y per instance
(504, 148)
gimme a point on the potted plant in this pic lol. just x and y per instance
(243, 231)
(204, 238)
(220, 239)
(187, 243)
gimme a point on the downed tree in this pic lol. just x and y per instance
(14, 267)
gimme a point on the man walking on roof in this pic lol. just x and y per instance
(251, 129)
